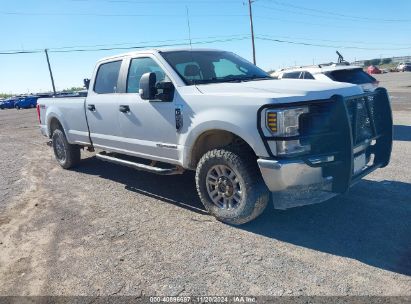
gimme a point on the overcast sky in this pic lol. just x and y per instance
(309, 31)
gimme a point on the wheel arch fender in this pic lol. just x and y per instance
(219, 128)
(55, 119)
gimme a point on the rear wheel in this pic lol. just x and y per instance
(230, 186)
(67, 155)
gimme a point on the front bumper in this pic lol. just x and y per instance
(280, 175)
(294, 183)
(349, 138)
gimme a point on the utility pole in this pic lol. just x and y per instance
(51, 73)
(252, 28)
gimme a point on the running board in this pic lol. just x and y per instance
(138, 166)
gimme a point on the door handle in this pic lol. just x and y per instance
(91, 107)
(124, 109)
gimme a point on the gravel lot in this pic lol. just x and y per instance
(104, 230)
(399, 86)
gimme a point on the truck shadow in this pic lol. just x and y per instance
(371, 224)
(402, 133)
(179, 190)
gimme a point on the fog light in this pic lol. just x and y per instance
(291, 147)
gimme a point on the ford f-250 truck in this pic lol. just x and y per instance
(248, 137)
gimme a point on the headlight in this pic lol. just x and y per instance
(285, 123)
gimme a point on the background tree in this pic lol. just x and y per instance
(367, 62)
(375, 61)
(73, 89)
(4, 95)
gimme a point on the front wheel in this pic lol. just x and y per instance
(67, 155)
(230, 186)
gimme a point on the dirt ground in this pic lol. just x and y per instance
(102, 229)
(399, 87)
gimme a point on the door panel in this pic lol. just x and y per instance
(103, 119)
(102, 106)
(148, 127)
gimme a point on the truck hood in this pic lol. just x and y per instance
(282, 89)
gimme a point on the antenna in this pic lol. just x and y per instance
(189, 28)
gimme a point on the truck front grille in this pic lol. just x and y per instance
(361, 111)
(339, 127)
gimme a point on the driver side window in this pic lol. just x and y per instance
(140, 66)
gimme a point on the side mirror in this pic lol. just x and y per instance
(86, 83)
(165, 91)
(148, 88)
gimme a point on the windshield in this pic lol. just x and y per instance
(202, 67)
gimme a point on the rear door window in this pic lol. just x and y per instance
(355, 76)
(307, 75)
(107, 77)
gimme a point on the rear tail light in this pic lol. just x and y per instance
(38, 112)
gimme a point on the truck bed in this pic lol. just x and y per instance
(70, 112)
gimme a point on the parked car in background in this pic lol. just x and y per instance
(26, 102)
(8, 103)
(404, 67)
(44, 95)
(339, 72)
(372, 69)
(82, 93)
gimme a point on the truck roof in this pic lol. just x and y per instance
(158, 50)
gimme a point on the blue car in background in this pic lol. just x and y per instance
(8, 103)
(26, 102)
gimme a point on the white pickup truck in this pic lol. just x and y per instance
(250, 138)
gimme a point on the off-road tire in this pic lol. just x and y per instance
(255, 193)
(71, 153)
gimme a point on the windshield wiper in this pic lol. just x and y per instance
(255, 78)
(220, 80)
(232, 79)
